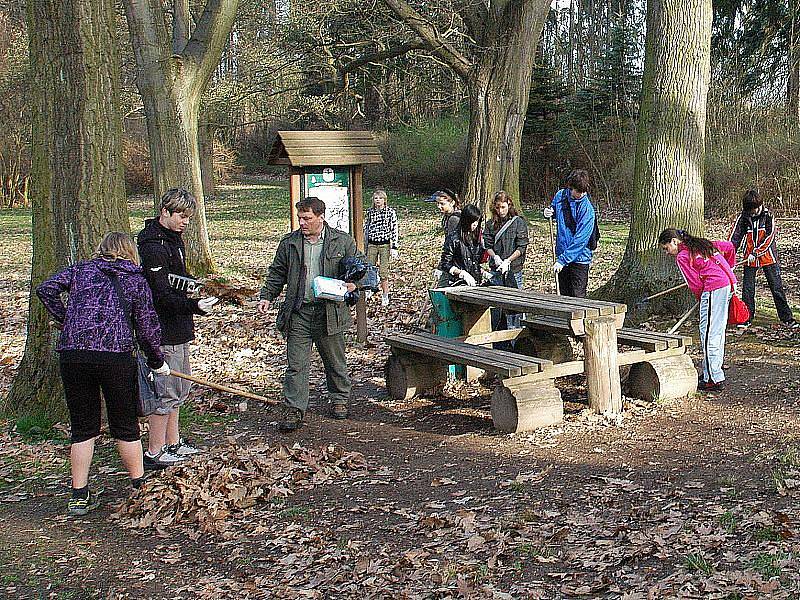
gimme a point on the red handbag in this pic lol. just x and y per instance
(738, 312)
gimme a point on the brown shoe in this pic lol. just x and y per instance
(339, 411)
(291, 421)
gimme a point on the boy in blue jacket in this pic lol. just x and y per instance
(575, 219)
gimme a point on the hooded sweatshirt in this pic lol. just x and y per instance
(96, 328)
(162, 252)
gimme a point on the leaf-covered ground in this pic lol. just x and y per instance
(695, 498)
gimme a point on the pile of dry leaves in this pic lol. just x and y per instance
(230, 480)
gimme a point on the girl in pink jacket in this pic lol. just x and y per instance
(708, 269)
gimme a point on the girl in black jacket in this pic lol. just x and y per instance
(463, 249)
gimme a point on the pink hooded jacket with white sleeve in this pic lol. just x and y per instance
(708, 274)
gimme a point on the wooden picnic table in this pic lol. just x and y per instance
(596, 321)
(525, 396)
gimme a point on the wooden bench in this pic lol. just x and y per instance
(419, 361)
(660, 369)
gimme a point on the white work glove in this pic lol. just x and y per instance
(162, 370)
(497, 260)
(437, 274)
(468, 279)
(751, 258)
(548, 212)
(557, 266)
(486, 276)
(206, 304)
(394, 253)
(504, 266)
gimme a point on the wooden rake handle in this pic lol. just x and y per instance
(222, 388)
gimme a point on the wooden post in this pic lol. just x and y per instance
(602, 371)
(357, 230)
(476, 320)
(295, 194)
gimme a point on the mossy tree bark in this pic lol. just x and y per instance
(670, 146)
(77, 185)
(172, 72)
(497, 74)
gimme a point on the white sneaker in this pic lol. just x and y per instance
(182, 449)
(162, 460)
(384, 300)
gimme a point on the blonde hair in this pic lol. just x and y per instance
(116, 245)
(381, 193)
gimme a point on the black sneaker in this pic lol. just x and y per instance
(79, 506)
(791, 324)
(292, 420)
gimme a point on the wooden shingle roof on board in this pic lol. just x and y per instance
(324, 148)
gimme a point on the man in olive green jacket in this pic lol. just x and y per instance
(313, 249)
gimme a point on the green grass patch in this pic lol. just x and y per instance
(189, 417)
(768, 534)
(729, 521)
(37, 427)
(698, 563)
(295, 513)
(767, 564)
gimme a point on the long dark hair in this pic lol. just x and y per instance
(695, 245)
(502, 196)
(469, 214)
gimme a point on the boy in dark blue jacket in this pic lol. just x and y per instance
(575, 218)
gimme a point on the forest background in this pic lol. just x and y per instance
(343, 65)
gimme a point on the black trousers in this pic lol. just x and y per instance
(773, 275)
(573, 280)
(83, 383)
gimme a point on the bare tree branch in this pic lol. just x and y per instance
(434, 42)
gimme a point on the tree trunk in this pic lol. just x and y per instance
(499, 89)
(205, 136)
(77, 183)
(793, 84)
(668, 181)
(498, 80)
(171, 85)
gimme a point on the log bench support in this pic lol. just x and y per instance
(518, 405)
(407, 378)
(665, 378)
(602, 371)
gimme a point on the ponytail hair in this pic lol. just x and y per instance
(450, 195)
(695, 245)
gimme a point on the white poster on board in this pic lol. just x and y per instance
(337, 209)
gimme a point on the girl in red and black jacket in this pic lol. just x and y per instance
(757, 229)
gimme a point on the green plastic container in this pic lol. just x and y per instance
(446, 323)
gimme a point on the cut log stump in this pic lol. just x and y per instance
(664, 378)
(406, 378)
(543, 344)
(518, 407)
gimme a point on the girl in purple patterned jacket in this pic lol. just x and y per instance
(96, 354)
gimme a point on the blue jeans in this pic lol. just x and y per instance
(512, 280)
